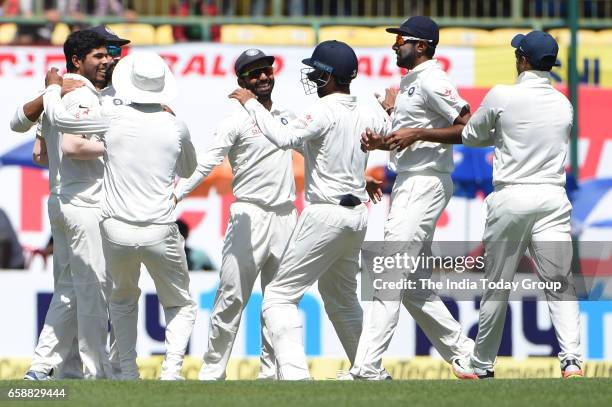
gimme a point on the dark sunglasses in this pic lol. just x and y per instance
(255, 73)
(113, 50)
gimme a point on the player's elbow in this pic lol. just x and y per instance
(19, 127)
(40, 159)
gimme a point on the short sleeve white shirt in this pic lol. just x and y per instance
(427, 99)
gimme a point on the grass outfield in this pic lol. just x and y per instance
(491, 393)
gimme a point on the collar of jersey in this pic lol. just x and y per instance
(82, 79)
(538, 77)
(422, 67)
(341, 96)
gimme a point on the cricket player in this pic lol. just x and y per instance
(261, 220)
(138, 222)
(427, 103)
(326, 242)
(529, 124)
(79, 273)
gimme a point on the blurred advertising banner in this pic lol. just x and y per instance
(528, 330)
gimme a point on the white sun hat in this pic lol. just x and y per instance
(144, 77)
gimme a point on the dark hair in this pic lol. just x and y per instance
(80, 43)
(547, 63)
(430, 51)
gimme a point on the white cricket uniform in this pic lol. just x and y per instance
(138, 222)
(326, 241)
(529, 124)
(260, 225)
(422, 189)
(51, 351)
(83, 284)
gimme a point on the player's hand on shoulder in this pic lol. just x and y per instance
(242, 95)
(373, 187)
(388, 101)
(53, 77)
(68, 85)
(370, 140)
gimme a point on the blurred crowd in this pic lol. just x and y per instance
(129, 10)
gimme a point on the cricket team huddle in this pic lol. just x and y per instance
(114, 150)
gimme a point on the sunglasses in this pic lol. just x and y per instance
(256, 73)
(405, 39)
(113, 50)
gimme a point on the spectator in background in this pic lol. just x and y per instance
(11, 253)
(194, 32)
(197, 260)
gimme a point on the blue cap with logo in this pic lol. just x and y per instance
(420, 27)
(108, 35)
(539, 47)
(249, 56)
(334, 57)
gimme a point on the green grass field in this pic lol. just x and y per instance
(492, 393)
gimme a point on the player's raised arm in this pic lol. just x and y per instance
(294, 134)
(70, 116)
(26, 115)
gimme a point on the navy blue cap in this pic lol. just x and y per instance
(539, 47)
(108, 35)
(249, 56)
(421, 27)
(334, 57)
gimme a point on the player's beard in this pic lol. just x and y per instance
(406, 57)
(260, 92)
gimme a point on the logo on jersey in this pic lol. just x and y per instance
(117, 102)
(284, 121)
(411, 91)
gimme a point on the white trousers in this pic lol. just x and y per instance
(255, 241)
(325, 247)
(418, 200)
(536, 217)
(161, 249)
(78, 313)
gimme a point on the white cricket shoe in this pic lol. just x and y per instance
(571, 369)
(463, 369)
(33, 375)
(346, 375)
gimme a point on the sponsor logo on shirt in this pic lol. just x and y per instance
(284, 121)
(411, 91)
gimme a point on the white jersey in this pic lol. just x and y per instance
(263, 174)
(146, 148)
(78, 182)
(529, 124)
(329, 134)
(426, 100)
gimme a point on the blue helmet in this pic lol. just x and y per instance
(335, 58)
